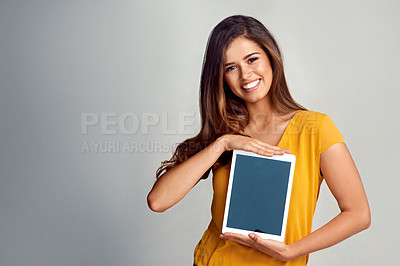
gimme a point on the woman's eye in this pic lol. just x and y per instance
(251, 60)
(229, 69)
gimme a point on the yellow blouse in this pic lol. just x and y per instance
(307, 135)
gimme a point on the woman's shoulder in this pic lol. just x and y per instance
(308, 121)
(310, 115)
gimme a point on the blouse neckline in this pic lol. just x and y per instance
(287, 129)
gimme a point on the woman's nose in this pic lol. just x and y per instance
(245, 73)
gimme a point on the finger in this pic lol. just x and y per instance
(271, 247)
(233, 235)
(256, 148)
(263, 150)
(236, 237)
(264, 242)
(279, 151)
(260, 244)
(241, 239)
(257, 239)
(253, 147)
(271, 147)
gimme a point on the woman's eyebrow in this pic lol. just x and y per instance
(244, 58)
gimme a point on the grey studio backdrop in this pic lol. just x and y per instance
(94, 95)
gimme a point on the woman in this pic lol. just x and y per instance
(246, 105)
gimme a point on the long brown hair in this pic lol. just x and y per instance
(221, 111)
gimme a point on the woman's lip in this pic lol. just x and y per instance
(244, 84)
(252, 89)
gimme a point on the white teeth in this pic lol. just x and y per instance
(251, 85)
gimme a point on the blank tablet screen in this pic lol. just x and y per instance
(258, 194)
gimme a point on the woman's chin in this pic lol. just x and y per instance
(255, 98)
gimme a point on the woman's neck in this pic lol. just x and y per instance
(261, 112)
(264, 119)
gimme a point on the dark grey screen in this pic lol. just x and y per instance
(258, 194)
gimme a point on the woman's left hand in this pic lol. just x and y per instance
(273, 248)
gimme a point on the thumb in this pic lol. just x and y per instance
(254, 237)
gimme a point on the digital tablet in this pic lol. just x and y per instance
(258, 195)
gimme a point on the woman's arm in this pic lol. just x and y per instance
(344, 181)
(174, 184)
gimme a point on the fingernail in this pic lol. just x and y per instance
(252, 236)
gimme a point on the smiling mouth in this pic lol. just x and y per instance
(251, 86)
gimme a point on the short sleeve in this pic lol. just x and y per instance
(329, 134)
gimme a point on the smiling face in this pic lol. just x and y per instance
(247, 70)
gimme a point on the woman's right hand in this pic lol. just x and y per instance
(239, 142)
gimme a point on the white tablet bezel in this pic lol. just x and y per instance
(286, 158)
